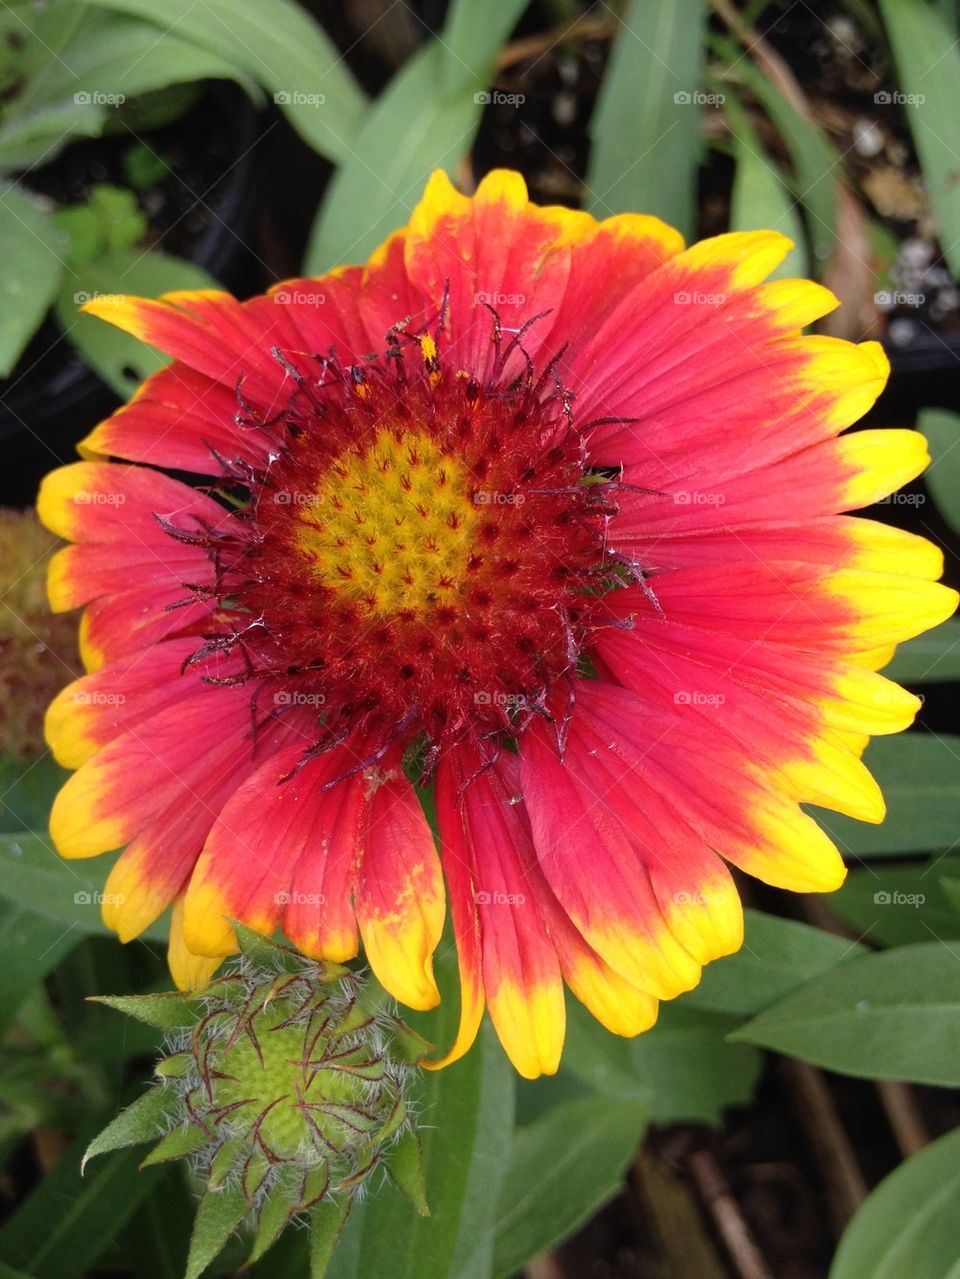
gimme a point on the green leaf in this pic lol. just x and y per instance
(120, 359)
(80, 66)
(30, 947)
(34, 252)
(814, 159)
(928, 68)
(425, 119)
(892, 1015)
(760, 200)
(777, 956)
(68, 893)
(219, 1215)
(930, 658)
(684, 1069)
(645, 131)
(563, 1167)
(919, 774)
(468, 1117)
(896, 905)
(27, 789)
(278, 44)
(69, 1220)
(141, 1121)
(942, 476)
(909, 1227)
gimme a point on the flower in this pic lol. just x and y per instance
(541, 510)
(285, 1086)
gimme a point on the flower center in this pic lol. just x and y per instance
(390, 525)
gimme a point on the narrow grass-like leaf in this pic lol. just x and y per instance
(645, 131)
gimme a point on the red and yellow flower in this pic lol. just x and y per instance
(542, 511)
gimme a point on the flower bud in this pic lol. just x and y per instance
(285, 1088)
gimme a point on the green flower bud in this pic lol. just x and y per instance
(285, 1089)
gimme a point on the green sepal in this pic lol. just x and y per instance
(168, 1011)
(327, 1221)
(175, 1066)
(396, 1120)
(404, 1165)
(255, 1172)
(224, 1162)
(141, 1121)
(280, 1202)
(219, 1215)
(315, 1185)
(406, 1043)
(358, 1062)
(260, 950)
(177, 1144)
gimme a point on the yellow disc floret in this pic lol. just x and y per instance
(390, 525)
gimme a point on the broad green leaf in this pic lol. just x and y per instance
(81, 66)
(27, 789)
(931, 657)
(120, 359)
(896, 905)
(645, 131)
(892, 1015)
(69, 1220)
(33, 262)
(563, 1167)
(66, 893)
(777, 956)
(278, 44)
(919, 774)
(909, 1227)
(760, 200)
(928, 68)
(30, 947)
(942, 476)
(684, 1069)
(425, 119)
(467, 1112)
